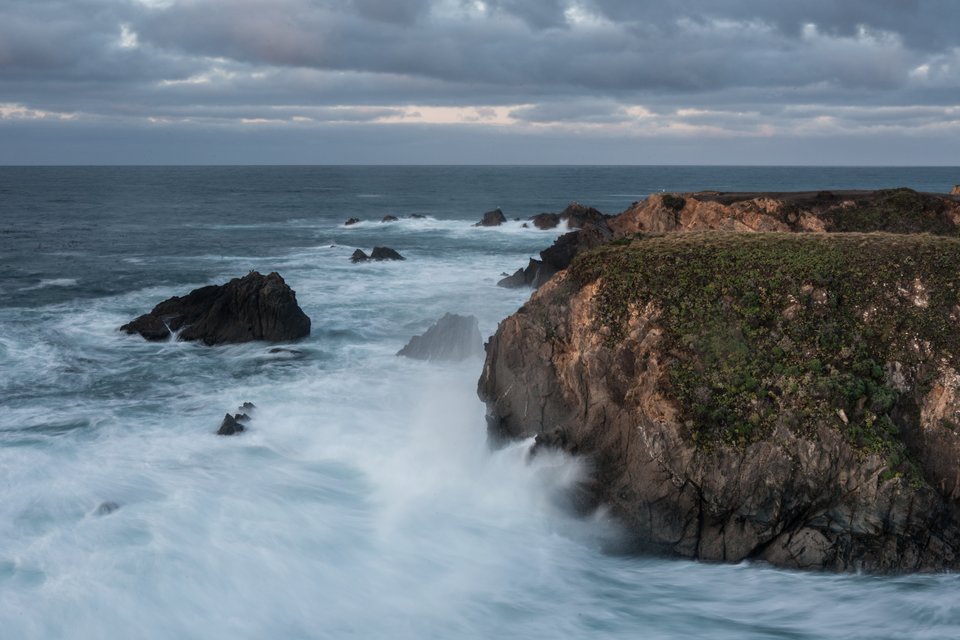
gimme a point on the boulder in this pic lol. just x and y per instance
(254, 307)
(385, 253)
(493, 218)
(389, 219)
(351, 221)
(359, 256)
(451, 338)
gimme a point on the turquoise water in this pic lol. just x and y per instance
(364, 501)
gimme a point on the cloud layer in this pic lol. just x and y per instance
(589, 71)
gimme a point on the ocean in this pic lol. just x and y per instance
(364, 500)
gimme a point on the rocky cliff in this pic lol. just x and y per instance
(788, 397)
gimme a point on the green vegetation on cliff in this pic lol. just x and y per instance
(794, 329)
(894, 211)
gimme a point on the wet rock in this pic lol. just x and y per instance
(106, 508)
(416, 216)
(389, 219)
(234, 424)
(545, 221)
(351, 221)
(231, 425)
(292, 353)
(149, 326)
(359, 256)
(385, 253)
(493, 218)
(255, 307)
(452, 338)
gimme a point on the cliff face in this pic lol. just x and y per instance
(787, 397)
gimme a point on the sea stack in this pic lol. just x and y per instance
(254, 307)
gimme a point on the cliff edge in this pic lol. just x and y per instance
(788, 397)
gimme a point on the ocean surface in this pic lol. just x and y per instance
(364, 501)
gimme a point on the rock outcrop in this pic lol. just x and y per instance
(254, 307)
(493, 218)
(888, 210)
(786, 397)
(452, 338)
(351, 221)
(389, 218)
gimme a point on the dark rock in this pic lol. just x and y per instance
(493, 218)
(255, 307)
(545, 220)
(106, 508)
(535, 272)
(149, 326)
(524, 226)
(416, 216)
(351, 221)
(385, 253)
(452, 338)
(517, 280)
(248, 406)
(231, 425)
(359, 256)
(389, 219)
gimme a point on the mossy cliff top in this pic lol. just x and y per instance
(802, 329)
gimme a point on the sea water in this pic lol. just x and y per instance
(364, 500)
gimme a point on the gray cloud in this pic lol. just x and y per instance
(696, 67)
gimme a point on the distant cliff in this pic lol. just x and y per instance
(790, 397)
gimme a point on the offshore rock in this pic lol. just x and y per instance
(351, 221)
(451, 338)
(385, 253)
(255, 307)
(493, 218)
(234, 424)
(359, 256)
(791, 398)
(389, 218)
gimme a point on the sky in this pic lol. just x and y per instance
(798, 82)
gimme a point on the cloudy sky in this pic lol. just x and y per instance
(480, 81)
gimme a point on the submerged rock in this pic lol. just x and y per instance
(255, 307)
(793, 398)
(451, 338)
(493, 218)
(390, 219)
(106, 508)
